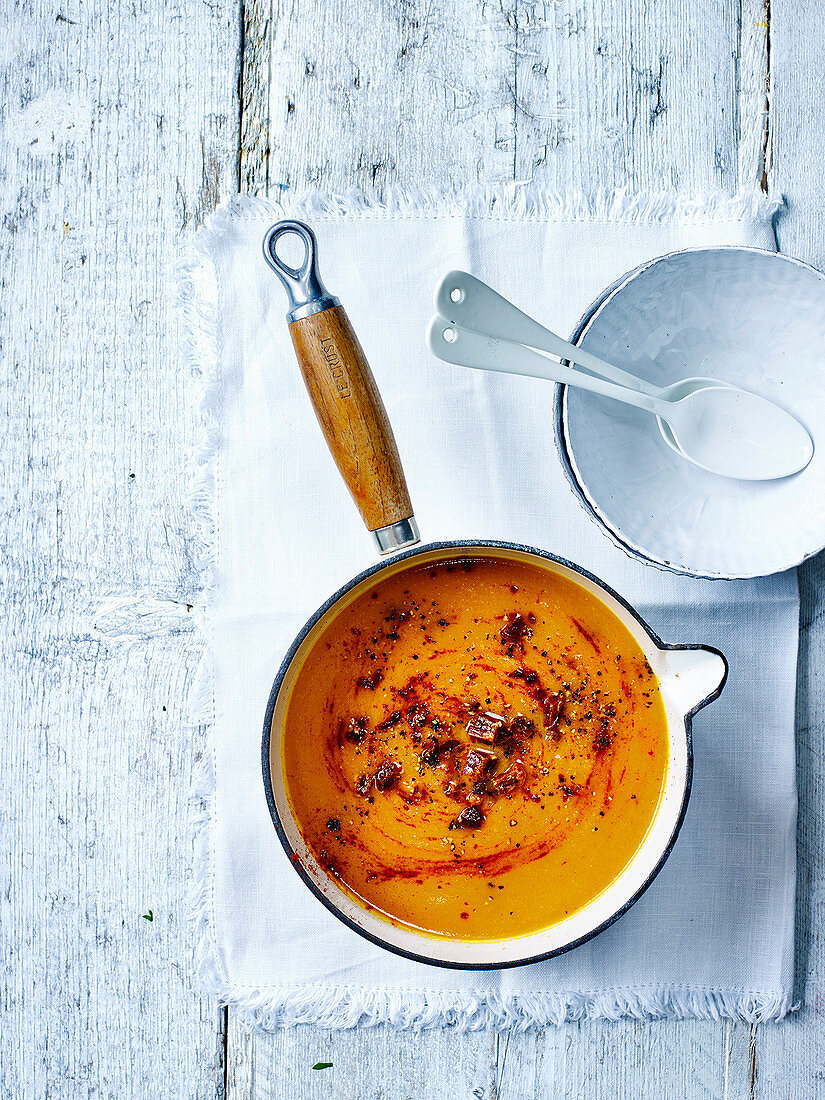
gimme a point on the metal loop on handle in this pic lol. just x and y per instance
(305, 289)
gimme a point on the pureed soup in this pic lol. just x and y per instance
(475, 748)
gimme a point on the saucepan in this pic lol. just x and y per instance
(356, 427)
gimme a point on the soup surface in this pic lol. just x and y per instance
(475, 748)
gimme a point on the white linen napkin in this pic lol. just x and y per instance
(714, 934)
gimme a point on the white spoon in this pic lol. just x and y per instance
(723, 429)
(463, 298)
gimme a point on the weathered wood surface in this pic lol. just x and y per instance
(569, 94)
(119, 131)
(595, 1060)
(792, 1058)
(121, 126)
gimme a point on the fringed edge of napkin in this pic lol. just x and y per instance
(505, 200)
(198, 303)
(340, 1008)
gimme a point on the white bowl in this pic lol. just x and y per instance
(689, 675)
(751, 317)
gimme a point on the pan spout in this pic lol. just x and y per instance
(694, 675)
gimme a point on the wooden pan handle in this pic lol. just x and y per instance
(343, 391)
(352, 415)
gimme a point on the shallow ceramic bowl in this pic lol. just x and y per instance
(690, 676)
(751, 317)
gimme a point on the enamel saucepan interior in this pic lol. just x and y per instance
(356, 427)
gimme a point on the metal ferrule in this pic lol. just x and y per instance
(308, 308)
(397, 535)
(305, 289)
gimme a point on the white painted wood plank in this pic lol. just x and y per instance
(602, 1060)
(240, 1061)
(377, 1063)
(639, 94)
(373, 93)
(594, 1059)
(753, 123)
(791, 1058)
(119, 130)
(567, 93)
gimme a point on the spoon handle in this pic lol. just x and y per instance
(466, 300)
(461, 346)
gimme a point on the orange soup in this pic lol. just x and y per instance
(475, 748)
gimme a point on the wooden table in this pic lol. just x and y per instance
(123, 126)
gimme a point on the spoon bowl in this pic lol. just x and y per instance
(727, 430)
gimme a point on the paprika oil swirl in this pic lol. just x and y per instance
(475, 748)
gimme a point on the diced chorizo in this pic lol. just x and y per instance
(390, 721)
(480, 762)
(510, 779)
(471, 818)
(516, 630)
(354, 729)
(388, 774)
(485, 727)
